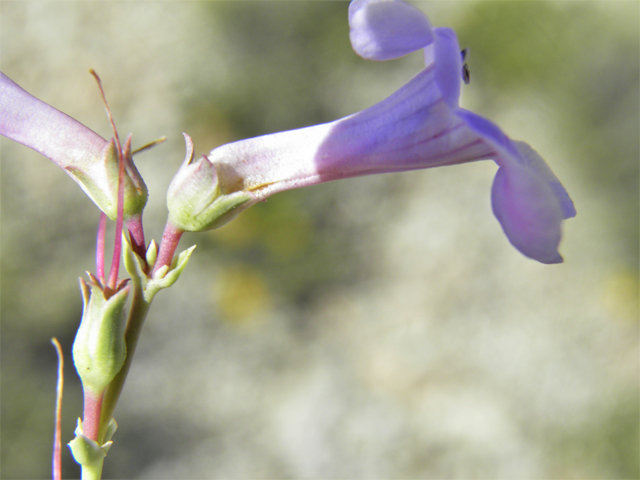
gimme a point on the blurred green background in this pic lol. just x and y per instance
(380, 327)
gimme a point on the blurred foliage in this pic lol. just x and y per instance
(606, 447)
(278, 75)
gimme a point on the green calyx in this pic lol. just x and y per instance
(99, 180)
(99, 349)
(194, 199)
(222, 210)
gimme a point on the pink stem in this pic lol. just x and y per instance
(170, 238)
(117, 245)
(100, 245)
(136, 233)
(91, 417)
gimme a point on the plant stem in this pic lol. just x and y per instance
(93, 471)
(137, 314)
(57, 459)
(91, 417)
(100, 243)
(170, 238)
(136, 233)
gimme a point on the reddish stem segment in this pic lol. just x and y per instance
(136, 234)
(170, 238)
(100, 245)
(91, 420)
(117, 245)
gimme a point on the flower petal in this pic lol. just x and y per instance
(532, 159)
(55, 135)
(386, 29)
(527, 198)
(528, 211)
(520, 152)
(446, 55)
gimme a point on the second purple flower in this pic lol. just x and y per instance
(419, 126)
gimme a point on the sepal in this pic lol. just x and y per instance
(111, 429)
(152, 253)
(167, 276)
(194, 199)
(163, 278)
(99, 180)
(88, 452)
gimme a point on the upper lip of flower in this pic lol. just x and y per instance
(383, 30)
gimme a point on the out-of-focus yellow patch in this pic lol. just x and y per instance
(280, 227)
(290, 239)
(620, 295)
(243, 296)
(239, 233)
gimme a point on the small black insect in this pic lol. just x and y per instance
(466, 73)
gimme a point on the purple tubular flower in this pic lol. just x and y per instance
(89, 159)
(419, 126)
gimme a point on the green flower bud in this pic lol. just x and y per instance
(99, 350)
(194, 199)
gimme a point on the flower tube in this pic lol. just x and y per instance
(88, 159)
